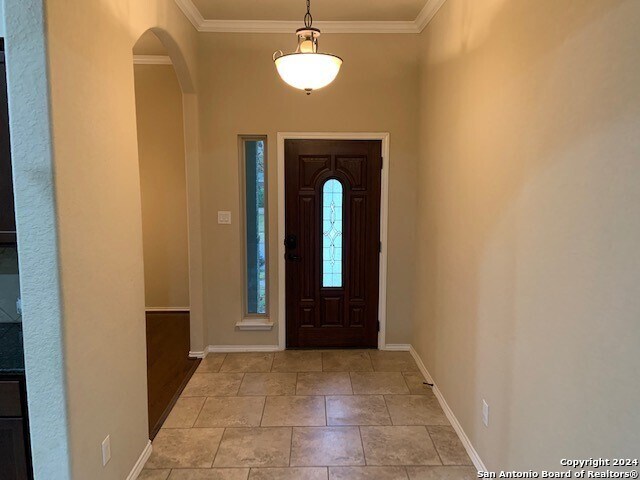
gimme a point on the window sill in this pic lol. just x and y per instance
(255, 324)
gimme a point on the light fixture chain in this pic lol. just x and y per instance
(308, 19)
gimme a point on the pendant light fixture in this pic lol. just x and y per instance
(306, 68)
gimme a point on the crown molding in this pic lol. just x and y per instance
(151, 60)
(427, 13)
(275, 26)
(191, 12)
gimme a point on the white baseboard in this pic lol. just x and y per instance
(471, 451)
(144, 456)
(397, 347)
(390, 347)
(232, 349)
(241, 348)
(167, 309)
(152, 60)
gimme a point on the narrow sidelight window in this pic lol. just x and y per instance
(254, 174)
(332, 233)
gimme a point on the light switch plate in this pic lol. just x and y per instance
(106, 450)
(485, 413)
(224, 218)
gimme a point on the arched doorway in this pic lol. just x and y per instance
(160, 88)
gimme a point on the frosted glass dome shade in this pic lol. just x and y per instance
(308, 71)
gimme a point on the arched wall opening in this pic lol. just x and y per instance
(72, 119)
(161, 159)
(170, 218)
(158, 42)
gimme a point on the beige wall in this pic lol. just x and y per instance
(529, 220)
(163, 186)
(525, 115)
(99, 226)
(98, 221)
(241, 93)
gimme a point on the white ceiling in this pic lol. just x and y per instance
(324, 10)
(332, 16)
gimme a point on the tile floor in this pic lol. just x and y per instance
(316, 415)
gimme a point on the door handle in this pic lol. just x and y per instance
(293, 258)
(291, 242)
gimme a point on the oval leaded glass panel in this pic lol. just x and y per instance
(332, 199)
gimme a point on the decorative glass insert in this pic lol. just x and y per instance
(255, 222)
(332, 233)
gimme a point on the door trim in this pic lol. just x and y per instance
(384, 223)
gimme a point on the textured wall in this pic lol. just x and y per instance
(89, 247)
(32, 159)
(529, 220)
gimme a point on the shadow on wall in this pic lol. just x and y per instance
(161, 156)
(177, 59)
(526, 171)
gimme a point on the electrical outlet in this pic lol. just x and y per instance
(224, 218)
(106, 450)
(485, 413)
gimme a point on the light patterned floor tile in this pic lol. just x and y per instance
(357, 410)
(415, 410)
(346, 361)
(294, 411)
(210, 474)
(326, 446)
(265, 416)
(398, 446)
(254, 447)
(367, 473)
(231, 412)
(449, 446)
(442, 473)
(211, 363)
(184, 412)
(324, 383)
(291, 473)
(392, 361)
(297, 361)
(154, 474)
(381, 383)
(213, 385)
(416, 383)
(184, 448)
(268, 384)
(247, 362)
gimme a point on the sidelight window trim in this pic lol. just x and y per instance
(253, 321)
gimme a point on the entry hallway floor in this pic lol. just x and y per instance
(316, 415)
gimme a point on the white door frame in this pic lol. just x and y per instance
(384, 223)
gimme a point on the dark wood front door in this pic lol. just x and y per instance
(332, 217)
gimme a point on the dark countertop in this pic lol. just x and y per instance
(11, 350)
